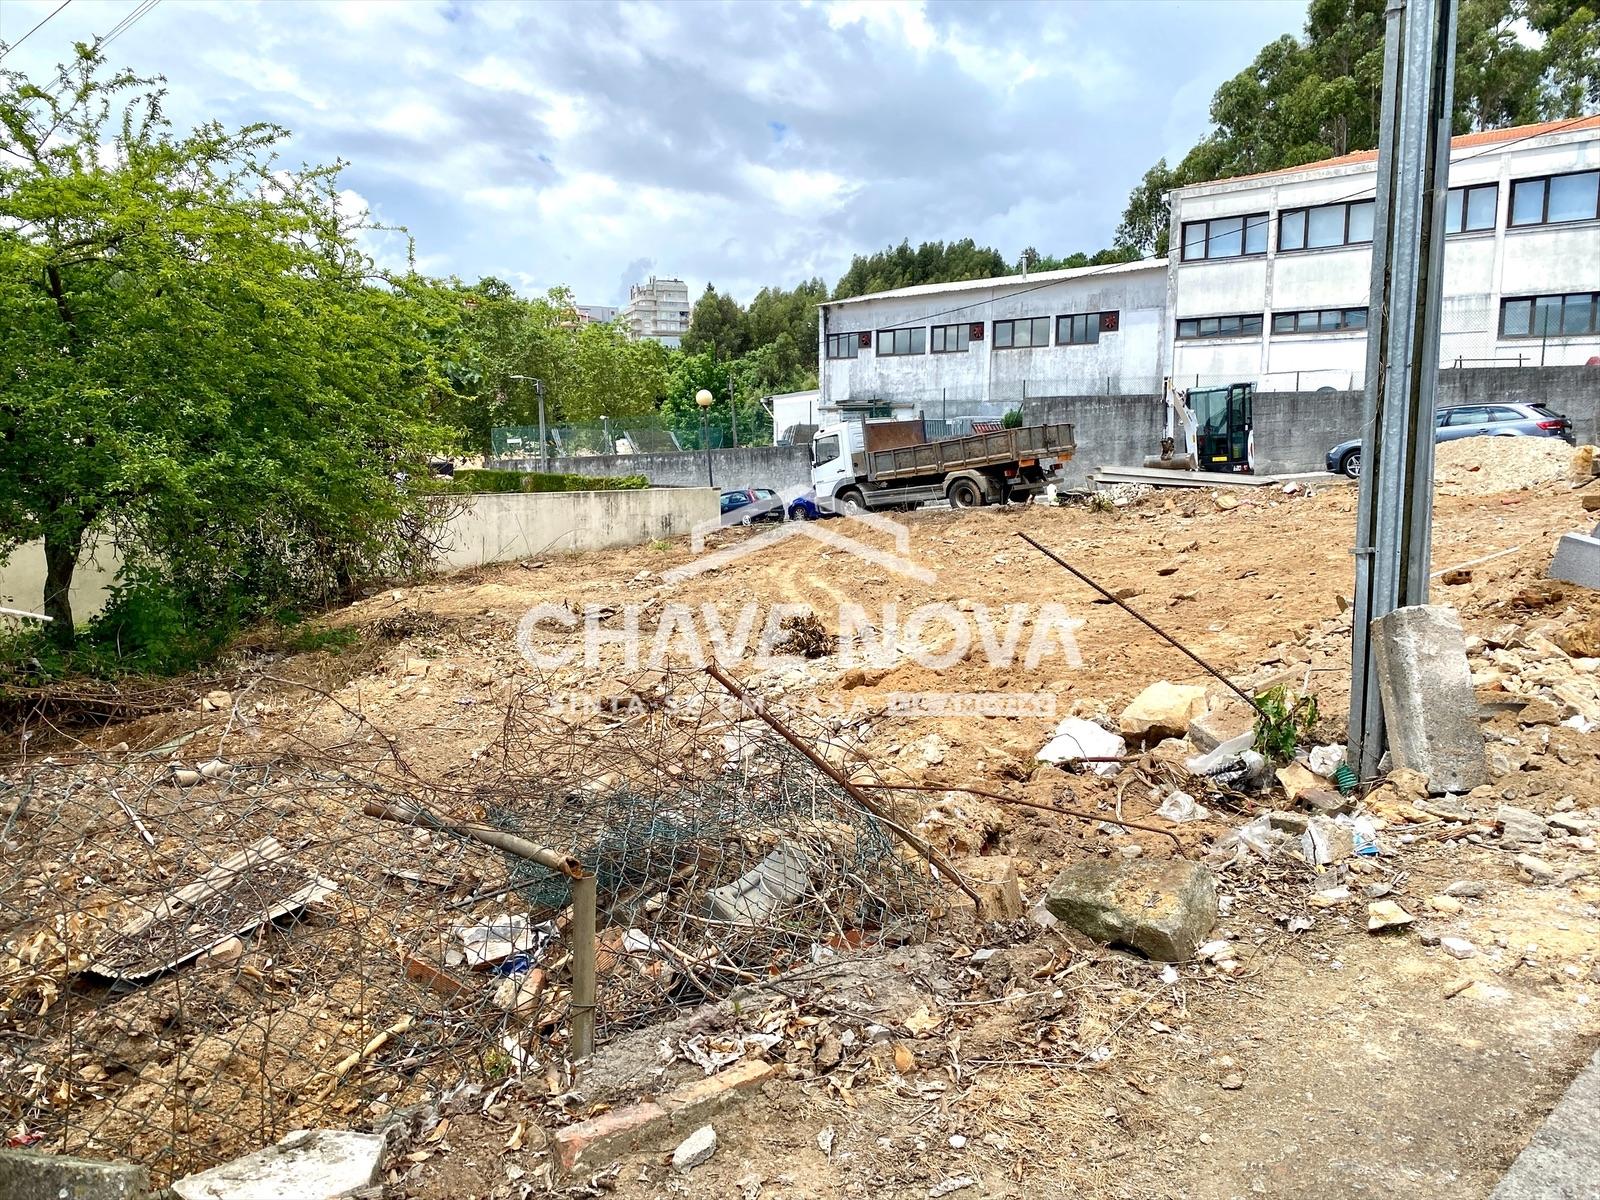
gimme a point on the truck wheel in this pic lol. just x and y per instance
(851, 503)
(963, 493)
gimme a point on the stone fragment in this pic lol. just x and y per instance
(1325, 842)
(695, 1150)
(1457, 947)
(1429, 707)
(1162, 909)
(1227, 719)
(1535, 869)
(1386, 914)
(1519, 827)
(309, 1164)
(1539, 711)
(1298, 779)
(1162, 710)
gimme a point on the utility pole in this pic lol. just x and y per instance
(544, 441)
(1394, 515)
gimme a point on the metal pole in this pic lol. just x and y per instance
(705, 441)
(544, 440)
(1394, 511)
(583, 967)
(733, 411)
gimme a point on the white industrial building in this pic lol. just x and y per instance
(984, 345)
(1267, 282)
(658, 309)
(1270, 274)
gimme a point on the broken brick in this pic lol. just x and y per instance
(610, 1135)
(698, 1102)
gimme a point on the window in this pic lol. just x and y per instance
(1324, 226)
(1556, 198)
(1084, 329)
(1503, 416)
(825, 450)
(951, 339)
(902, 341)
(1470, 208)
(1458, 417)
(1319, 320)
(1550, 316)
(843, 345)
(1225, 237)
(1021, 333)
(1240, 325)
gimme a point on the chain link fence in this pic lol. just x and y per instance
(204, 946)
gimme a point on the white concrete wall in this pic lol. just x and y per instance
(1125, 361)
(503, 527)
(22, 580)
(1481, 268)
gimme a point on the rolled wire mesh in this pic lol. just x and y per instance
(200, 953)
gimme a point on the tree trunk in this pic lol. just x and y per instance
(61, 551)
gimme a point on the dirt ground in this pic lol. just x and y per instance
(1318, 1059)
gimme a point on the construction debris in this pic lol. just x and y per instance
(315, 1164)
(1162, 710)
(1076, 738)
(1163, 910)
(695, 1150)
(1430, 711)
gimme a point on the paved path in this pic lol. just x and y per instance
(1563, 1160)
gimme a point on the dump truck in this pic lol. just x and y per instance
(892, 464)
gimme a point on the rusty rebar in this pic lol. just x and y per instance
(1147, 622)
(855, 793)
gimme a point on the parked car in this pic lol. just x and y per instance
(745, 506)
(1469, 420)
(805, 507)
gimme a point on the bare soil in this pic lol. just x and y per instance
(1365, 1064)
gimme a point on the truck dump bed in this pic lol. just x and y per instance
(972, 450)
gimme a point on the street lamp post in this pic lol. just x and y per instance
(704, 399)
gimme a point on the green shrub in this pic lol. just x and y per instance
(476, 481)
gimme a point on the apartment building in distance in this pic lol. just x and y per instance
(1270, 275)
(658, 309)
(1267, 282)
(596, 314)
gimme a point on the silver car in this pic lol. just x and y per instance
(1469, 420)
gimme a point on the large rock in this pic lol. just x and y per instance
(309, 1164)
(1577, 560)
(1162, 710)
(1429, 708)
(1164, 910)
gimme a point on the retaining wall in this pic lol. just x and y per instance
(1294, 430)
(777, 467)
(502, 527)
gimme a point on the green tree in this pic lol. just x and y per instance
(690, 373)
(199, 364)
(717, 324)
(931, 262)
(1304, 99)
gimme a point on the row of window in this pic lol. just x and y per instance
(1545, 200)
(1522, 316)
(1078, 329)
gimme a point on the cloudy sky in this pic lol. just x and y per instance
(747, 143)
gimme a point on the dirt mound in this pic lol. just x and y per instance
(1477, 466)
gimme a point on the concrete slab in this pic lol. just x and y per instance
(1562, 1162)
(1429, 708)
(1160, 477)
(1577, 560)
(28, 1176)
(309, 1164)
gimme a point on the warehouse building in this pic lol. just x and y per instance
(1270, 275)
(1267, 282)
(980, 347)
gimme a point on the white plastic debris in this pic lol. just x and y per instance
(1180, 807)
(1325, 760)
(1077, 738)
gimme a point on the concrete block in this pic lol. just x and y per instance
(1164, 910)
(309, 1164)
(28, 1176)
(778, 880)
(1429, 707)
(609, 1136)
(1563, 1159)
(1577, 560)
(696, 1103)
